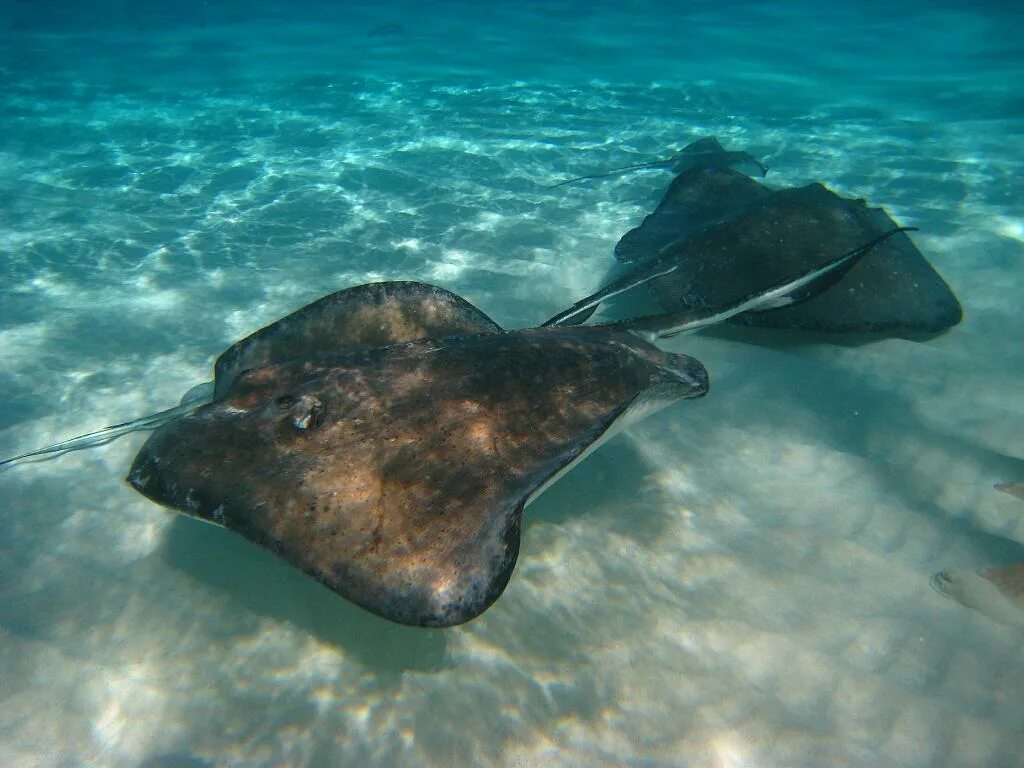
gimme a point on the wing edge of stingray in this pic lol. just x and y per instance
(502, 576)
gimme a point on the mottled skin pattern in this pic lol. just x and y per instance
(734, 237)
(397, 475)
(362, 317)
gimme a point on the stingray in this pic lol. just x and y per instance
(385, 439)
(995, 592)
(718, 234)
(810, 284)
(703, 153)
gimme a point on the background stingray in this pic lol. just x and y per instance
(788, 293)
(703, 153)
(730, 234)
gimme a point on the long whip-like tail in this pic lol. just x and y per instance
(615, 172)
(107, 434)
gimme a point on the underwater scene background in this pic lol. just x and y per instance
(743, 580)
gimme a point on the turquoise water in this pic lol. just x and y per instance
(742, 581)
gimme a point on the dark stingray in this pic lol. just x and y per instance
(385, 439)
(718, 234)
(703, 153)
(806, 286)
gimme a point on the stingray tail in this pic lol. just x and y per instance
(803, 287)
(192, 400)
(613, 172)
(584, 308)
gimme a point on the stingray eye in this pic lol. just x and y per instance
(307, 412)
(285, 402)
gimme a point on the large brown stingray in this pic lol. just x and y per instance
(718, 234)
(385, 440)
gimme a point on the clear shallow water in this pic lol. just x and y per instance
(742, 581)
